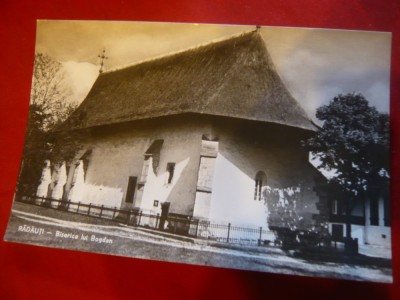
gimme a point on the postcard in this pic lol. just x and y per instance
(244, 147)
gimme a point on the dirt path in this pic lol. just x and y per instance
(32, 228)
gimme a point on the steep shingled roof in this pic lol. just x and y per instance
(233, 78)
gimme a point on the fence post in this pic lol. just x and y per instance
(140, 217)
(42, 201)
(88, 211)
(188, 232)
(229, 229)
(259, 240)
(128, 217)
(157, 219)
(115, 210)
(77, 209)
(197, 227)
(68, 203)
(101, 211)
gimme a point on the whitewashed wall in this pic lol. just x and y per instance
(118, 153)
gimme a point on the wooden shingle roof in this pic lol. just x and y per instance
(233, 78)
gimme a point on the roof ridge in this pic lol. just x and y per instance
(223, 83)
(184, 50)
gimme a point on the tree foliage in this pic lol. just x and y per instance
(49, 92)
(47, 111)
(353, 141)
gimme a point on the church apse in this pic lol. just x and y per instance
(251, 163)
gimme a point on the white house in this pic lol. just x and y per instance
(370, 219)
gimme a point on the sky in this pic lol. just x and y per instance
(315, 64)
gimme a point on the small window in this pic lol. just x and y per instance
(260, 181)
(86, 160)
(130, 193)
(170, 170)
(334, 207)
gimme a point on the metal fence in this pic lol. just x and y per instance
(173, 223)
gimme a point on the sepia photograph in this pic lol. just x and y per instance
(243, 147)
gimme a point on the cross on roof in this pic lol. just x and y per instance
(102, 57)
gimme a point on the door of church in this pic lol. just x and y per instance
(164, 214)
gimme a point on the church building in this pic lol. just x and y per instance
(206, 133)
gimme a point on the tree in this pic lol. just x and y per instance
(49, 91)
(354, 142)
(47, 111)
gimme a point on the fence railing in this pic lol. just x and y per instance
(174, 223)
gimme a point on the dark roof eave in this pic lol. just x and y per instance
(312, 126)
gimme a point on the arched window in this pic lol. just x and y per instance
(260, 181)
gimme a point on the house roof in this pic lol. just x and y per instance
(234, 77)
